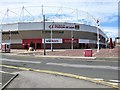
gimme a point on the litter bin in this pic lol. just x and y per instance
(88, 52)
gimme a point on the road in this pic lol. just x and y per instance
(97, 69)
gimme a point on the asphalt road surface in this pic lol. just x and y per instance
(97, 69)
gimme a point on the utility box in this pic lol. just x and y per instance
(88, 52)
(5, 47)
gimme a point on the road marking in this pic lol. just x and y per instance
(110, 84)
(0, 83)
(116, 81)
(11, 60)
(83, 66)
(5, 72)
(98, 79)
(65, 57)
(116, 84)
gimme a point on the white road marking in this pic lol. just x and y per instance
(115, 84)
(11, 60)
(5, 72)
(100, 79)
(116, 81)
(84, 66)
(0, 83)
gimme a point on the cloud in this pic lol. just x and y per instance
(111, 21)
(111, 32)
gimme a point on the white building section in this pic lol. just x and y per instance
(56, 26)
(13, 41)
(54, 40)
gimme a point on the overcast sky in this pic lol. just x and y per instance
(104, 10)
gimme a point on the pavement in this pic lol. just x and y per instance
(43, 80)
(68, 53)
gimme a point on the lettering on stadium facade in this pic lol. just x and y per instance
(52, 40)
(63, 26)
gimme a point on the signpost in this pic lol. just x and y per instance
(44, 33)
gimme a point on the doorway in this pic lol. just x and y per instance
(38, 46)
(26, 47)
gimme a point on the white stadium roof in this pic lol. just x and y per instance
(52, 13)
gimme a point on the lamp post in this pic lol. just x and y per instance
(10, 38)
(72, 39)
(51, 38)
(1, 36)
(44, 33)
(98, 36)
(106, 41)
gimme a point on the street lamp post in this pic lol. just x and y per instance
(106, 41)
(72, 39)
(98, 37)
(51, 38)
(44, 33)
(10, 41)
(1, 36)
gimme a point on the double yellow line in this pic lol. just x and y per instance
(110, 84)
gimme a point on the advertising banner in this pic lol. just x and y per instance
(70, 40)
(54, 40)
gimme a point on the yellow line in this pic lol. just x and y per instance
(65, 74)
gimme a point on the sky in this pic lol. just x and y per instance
(106, 11)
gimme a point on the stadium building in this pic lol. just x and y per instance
(62, 35)
(58, 34)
